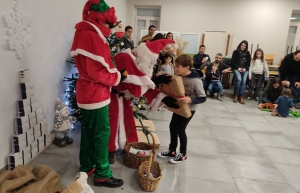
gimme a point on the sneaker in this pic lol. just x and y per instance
(297, 105)
(178, 158)
(248, 99)
(257, 99)
(168, 153)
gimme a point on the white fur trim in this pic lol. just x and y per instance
(94, 57)
(140, 80)
(118, 80)
(121, 135)
(156, 103)
(129, 52)
(98, 31)
(146, 58)
(94, 105)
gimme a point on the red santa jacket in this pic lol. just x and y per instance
(96, 70)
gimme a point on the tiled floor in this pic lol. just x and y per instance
(232, 148)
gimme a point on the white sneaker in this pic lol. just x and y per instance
(248, 99)
(178, 158)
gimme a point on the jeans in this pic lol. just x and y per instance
(215, 88)
(212, 84)
(255, 82)
(240, 83)
(177, 129)
(295, 91)
(266, 100)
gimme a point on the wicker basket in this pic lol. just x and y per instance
(148, 183)
(133, 160)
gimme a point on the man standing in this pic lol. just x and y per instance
(201, 59)
(222, 68)
(289, 72)
(127, 40)
(97, 75)
(149, 36)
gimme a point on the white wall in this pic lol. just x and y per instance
(263, 22)
(52, 30)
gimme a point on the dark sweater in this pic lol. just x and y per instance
(289, 67)
(240, 62)
(272, 95)
(284, 105)
(198, 60)
(214, 76)
(127, 43)
(221, 67)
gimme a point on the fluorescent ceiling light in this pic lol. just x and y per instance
(293, 17)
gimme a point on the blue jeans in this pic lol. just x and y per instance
(240, 84)
(212, 85)
(266, 100)
(295, 91)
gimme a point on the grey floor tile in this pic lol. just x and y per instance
(281, 119)
(207, 147)
(253, 168)
(239, 108)
(190, 185)
(223, 122)
(199, 132)
(216, 113)
(256, 126)
(273, 139)
(247, 148)
(230, 133)
(161, 125)
(291, 173)
(283, 156)
(257, 186)
(290, 131)
(254, 118)
(214, 106)
(164, 138)
(206, 167)
(199, 121)
(282, 125)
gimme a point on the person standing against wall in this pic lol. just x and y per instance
(241, 59)
(149, 36)
(127, 39)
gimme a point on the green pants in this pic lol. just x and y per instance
(95, 132)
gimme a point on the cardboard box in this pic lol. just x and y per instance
(24, 76)
(48, 138)
(21, 121)
(176, 90)
(30, 138)
(27, 94)
(44, 124)
(34, 106)
(26, 86)
(24, 112)
(14, 159)
(19, 142)
(33, 100)
(34, 152)
(26, 151)
(141, 135)
(37, 131)
(22, 130)
(21, 104)
(27, 158)
(41, 146)
(43, 129)
(39, 119)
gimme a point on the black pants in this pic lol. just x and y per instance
(177, 129)
(255, 82)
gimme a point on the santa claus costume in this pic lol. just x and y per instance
(96, 76)
(137, 83)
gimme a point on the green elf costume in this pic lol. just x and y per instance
(97, 74)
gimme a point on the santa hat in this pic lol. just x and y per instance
(147, 54)
(105, 14)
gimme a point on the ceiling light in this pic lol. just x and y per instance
(293, 17)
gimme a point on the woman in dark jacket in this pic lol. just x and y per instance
(240, 63)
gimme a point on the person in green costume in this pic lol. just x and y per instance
(97, 74)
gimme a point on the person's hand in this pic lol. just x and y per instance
(205, 67)
(260, 105)
(276, 105)
(214, 68)
(170, 102)
(225, 71)
(243, 69)
(204, 60)
(250, 77)
(286, 83)
(185, 100)
(297, 85)
(239, 69)
(124, 74)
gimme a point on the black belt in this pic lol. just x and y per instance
(117, 92)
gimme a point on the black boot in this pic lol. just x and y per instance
(111, 183)
(69, 140)
(60, 142)
(111, 157)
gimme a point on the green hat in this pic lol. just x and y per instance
(101, 7)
